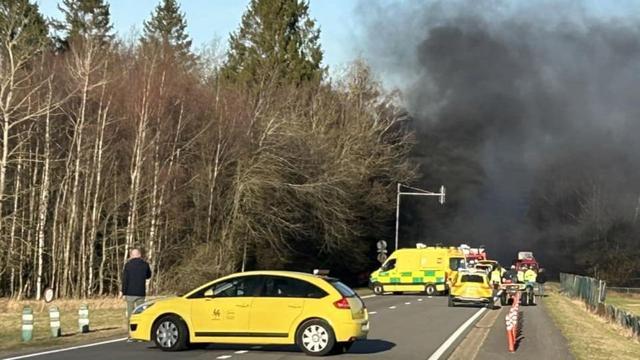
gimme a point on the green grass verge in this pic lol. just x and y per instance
(589, 336)
(106, 316)
(631, 303)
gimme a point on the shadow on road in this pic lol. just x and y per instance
(370, 346)
(519, 333)
(91, 331)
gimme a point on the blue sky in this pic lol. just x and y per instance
(210, 19)
(343, 23)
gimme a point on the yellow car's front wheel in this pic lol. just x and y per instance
(170, 333)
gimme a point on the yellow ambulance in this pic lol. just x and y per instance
(428, 269)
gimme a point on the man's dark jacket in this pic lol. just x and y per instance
(136, 271)
(542, 277)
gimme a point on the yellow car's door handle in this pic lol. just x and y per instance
(242, 305)
(295, 306)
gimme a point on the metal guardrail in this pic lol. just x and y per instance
(593, 293)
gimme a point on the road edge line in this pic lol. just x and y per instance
(445, 345)
(65, 349)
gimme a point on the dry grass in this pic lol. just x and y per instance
(106, 315)
(590, 337)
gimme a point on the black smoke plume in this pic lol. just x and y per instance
(529, 112)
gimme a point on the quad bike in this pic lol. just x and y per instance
(509, 290)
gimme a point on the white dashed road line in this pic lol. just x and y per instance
(407, 303)
(419, 299)
(392, 307)
(443, 348)
(221, 357)
(372, 312)
(367, 296)
(65, 349)
(241, 352)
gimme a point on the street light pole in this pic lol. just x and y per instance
(415, 192)
(397, 213)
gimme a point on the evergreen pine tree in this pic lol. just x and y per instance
(167, 29)
(275, 37)
(86, 19)
(22, 27)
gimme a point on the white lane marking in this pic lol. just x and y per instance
(407, 303)
(445, 345)
(256, 347)
(65, 349)
(372, 312)
(419, 299)
(392, 307)
(224, 357)
(241, 351)
(429, 297)
(367, 296)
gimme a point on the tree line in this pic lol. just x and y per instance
(250, 159)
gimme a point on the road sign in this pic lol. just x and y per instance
(48, 295)
(381, 245)
(382, 257)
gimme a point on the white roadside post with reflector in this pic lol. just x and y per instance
(27, 324)
(83, 318)
(414, 192)
(54, 314)
(54, 321)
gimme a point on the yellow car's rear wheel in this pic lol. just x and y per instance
(316, 337)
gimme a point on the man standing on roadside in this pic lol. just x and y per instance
(541, 279)
(134, 277)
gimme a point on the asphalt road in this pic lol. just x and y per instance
(402, 327)
(539, 337)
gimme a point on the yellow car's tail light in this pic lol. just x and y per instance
(342, 304)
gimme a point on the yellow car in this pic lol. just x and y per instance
(319, 314)
(491, 263)
(471, 287)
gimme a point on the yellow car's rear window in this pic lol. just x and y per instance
(472, 278)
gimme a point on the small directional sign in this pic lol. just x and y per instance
(382, 250)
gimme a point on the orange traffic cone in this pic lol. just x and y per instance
(510, 339)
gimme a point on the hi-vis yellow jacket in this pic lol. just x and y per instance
(530, 276)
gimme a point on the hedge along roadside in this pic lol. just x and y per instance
(593, 293)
